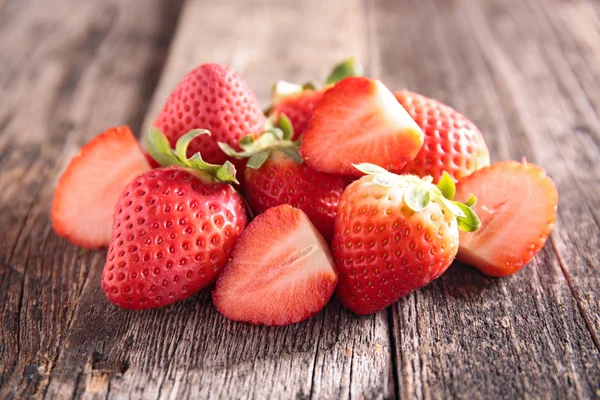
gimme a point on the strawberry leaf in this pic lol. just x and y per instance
(159, 148)
(257, 160)
(247, 142)
(417, 197)
(286, 126)
(446, 186)
(472, 201)
(348, 67)
(453, 207)
(370, 169)
(384, 180)
(470, 222)
(293, 153)
(184, 141)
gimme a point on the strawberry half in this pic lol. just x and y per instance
(87, 191)
(298, 102)
(516, 203)
(360, 121)
(281, 271)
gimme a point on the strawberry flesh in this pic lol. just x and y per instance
(516, 203)
(87, 191)
(360, 121)
(281, 271)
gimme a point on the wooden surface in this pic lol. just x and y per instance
(527, 73)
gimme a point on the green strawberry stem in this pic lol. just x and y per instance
(159, 148)
(276, 137)
(418, 193)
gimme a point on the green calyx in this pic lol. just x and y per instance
(276, 137)
(419, 192)
(159, 148)
(282, 89)
(348, 67)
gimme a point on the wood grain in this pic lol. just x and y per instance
(533, 334)
(65, 71)
(189, 349)
(527, 74)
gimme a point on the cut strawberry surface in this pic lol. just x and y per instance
(516, 203)
(281, 271)
(360, 121)
(87, 191)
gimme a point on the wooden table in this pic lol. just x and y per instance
(526, 72)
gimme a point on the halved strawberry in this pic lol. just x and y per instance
(360, 121)
(87, 191)
(516, 203)
(281, 271)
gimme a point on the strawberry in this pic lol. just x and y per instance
(298, 107)
(394, 234)
(452, 142)
(174, 228)
(280, 272)
(517, 205)
(276, 175)
(359, 121)
(88, 189)
(213, 97)
(297, 102)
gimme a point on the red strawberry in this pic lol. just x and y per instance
(359, 120)
(452, 142)
(87, 191)
(394, 234)
(174, 228)
(213, 97)
(517, 205)
(298, 102)
(281, 271)
(276, 175)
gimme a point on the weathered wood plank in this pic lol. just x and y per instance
(189, 349)
(65, 70)
(466, 335)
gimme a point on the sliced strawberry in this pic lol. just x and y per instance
(360, 121)
(87, 191)
(516, 203)
(281, 271)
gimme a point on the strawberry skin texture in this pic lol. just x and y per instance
(281, 180)
(517, 205)
(213, 97)
(299, 109)
(172, 235)
(281, 271)
(452, 143)
(359, 121)
(384, 250)
(88, 189)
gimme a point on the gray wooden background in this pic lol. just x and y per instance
(526, 72)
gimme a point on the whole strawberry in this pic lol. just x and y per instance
(452, 142)
(394, 234)
(213, 97)
(277, 174)
(297, 102)
(173, 228)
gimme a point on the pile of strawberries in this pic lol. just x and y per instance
(355, 189)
